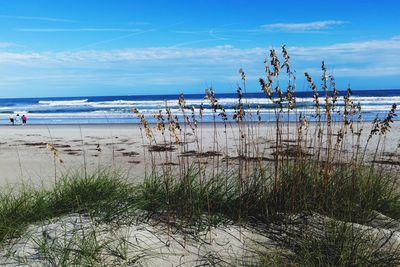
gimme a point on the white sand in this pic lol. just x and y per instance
(143, 244)
(25, 157)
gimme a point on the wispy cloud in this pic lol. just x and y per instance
(140, 23)
(207, 55)
(188, 65)
(49, 19)
(190, 32)
(372, 49)
(78, 30)
(303, 26)
(5, 44)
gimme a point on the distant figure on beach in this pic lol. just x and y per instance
(23, 119)
(11, 119)
(18, 120)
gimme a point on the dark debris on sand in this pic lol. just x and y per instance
(387, 162)
(245, 158)
(35, 144)
(169, 164)
(292, 152)
(130, 154)
(161, 148)
(72, 150)
(193, 153)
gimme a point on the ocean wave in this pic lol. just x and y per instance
(196, 102)
(75, 115)
(63, 102)
(34, 110)
(119, 109)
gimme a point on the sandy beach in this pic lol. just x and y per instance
(200, 135)
(25, 155)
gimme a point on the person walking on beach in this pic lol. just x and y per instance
(18, 120)
(11, 119)
(23, 119)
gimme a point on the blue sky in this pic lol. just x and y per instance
(122, 47)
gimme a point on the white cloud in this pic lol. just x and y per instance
(304, 26)
(183, 65)
(376, 57)
(351, 47)
(208, 55)
(37, 18)
(78, 30)
(360, 71)
(5, 44)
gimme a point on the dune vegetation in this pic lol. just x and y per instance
(323, 197)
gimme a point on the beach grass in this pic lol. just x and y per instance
(188, 204)
(350, 196)
(317, 196)
(107, 197)
(338, 245)
(94, 194)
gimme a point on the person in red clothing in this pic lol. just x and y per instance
(23, 119)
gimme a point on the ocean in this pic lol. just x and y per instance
(118, 109)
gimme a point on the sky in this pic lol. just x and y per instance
(126, 47)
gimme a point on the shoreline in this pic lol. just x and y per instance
(151, 123)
